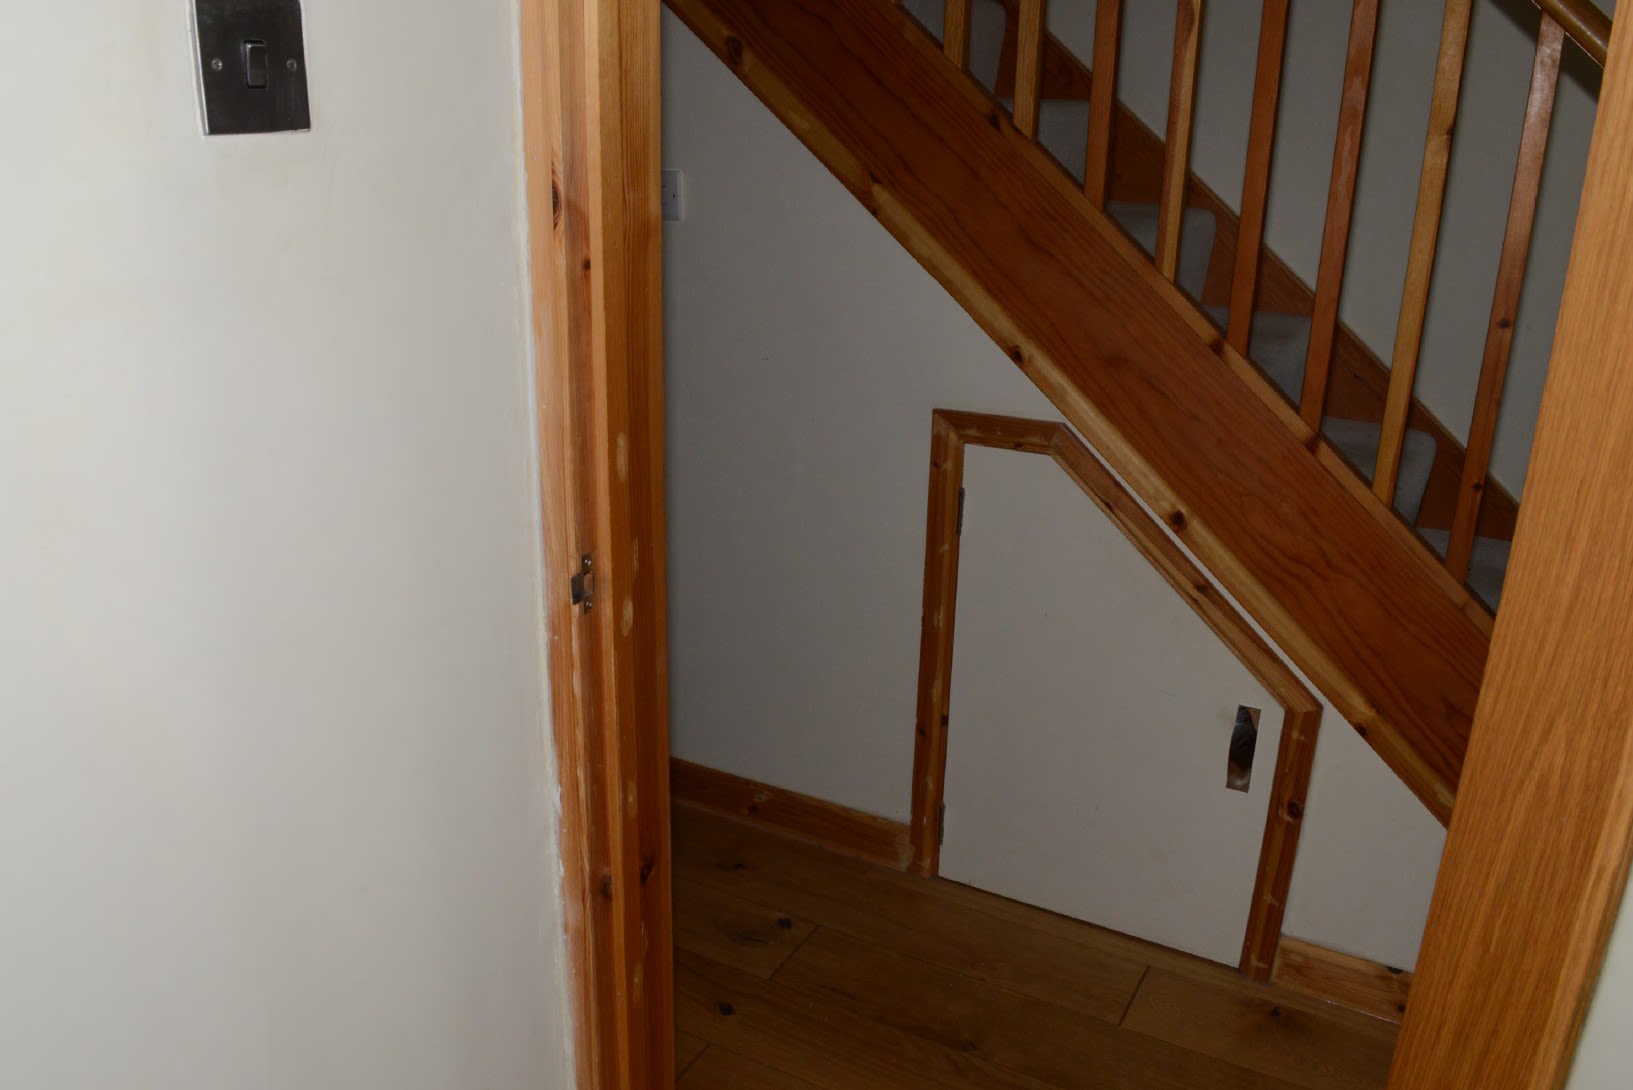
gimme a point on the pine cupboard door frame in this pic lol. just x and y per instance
(590, 115)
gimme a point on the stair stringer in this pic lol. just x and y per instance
(1336, 580)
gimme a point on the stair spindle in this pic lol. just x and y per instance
(1261, 140)
(1108, 24)
(955, 33)
(1346, 161)
(1176, 166)
(1437, 153)
(1028, 65)
(1522, 208)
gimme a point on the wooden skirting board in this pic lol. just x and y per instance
(950, 433)
(1349, 981)
(875, 839)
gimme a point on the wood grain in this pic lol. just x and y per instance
(1588, 26)
(1003, 1031)
(590, 131)
(1536, 861)
(687, 1050)
(1049, 279)
(1080, 970)
(1505, 303)
(1420, 260)
(955, 32)
(1278, 853)
(721, 1069)
(1358, 381)
(1346, 163)
(754, 938)
(1260, 1033)
(1108, 29)
(1176, 167)
(838, 827)
(1028, 64)
(1353, 982)
(1261, 143)
(937, 620)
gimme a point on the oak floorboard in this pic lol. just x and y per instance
(752, 937)
(1262, 1033)
(1012, 1032)
(824, 1041)
(905, 914)
(907, 983)
(721, 1069)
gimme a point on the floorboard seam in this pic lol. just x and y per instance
(1132, 996)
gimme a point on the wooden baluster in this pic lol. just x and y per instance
(1108, 25)
(1261, 140)
(955, 33)
(1176, 164)
(1437, 153)
(1340, 206)
(1028, 64)
(1522, 208)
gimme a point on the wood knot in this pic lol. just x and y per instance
(874, 178)
(606, 886)
(785, 923)
(1504, 323)
(647, 869)
(1275, 1012)
(734, 51)
(555, 200)
(1362, 731)
(1295, 809)
(586, 264)
(1177, 520)
(726, 1009)
(1016, 354)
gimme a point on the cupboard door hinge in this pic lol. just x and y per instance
(941, 826)
(583, 584)
(960, 530)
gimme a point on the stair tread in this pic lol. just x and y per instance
(1365, 616)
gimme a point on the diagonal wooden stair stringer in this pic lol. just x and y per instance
(1346, 590)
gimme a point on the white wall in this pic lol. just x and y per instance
(1501, 47)
(806, 350)
(1601, 1056)
(276, 807)
(1090, 721)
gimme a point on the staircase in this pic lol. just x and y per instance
(1271, 496)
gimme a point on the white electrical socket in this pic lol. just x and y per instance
(674, 195)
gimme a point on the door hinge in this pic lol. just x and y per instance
(941, 826)
(583, 584)
(960, 529)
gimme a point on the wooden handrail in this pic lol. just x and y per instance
(1583, 23)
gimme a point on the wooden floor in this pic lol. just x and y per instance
(799, 969)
